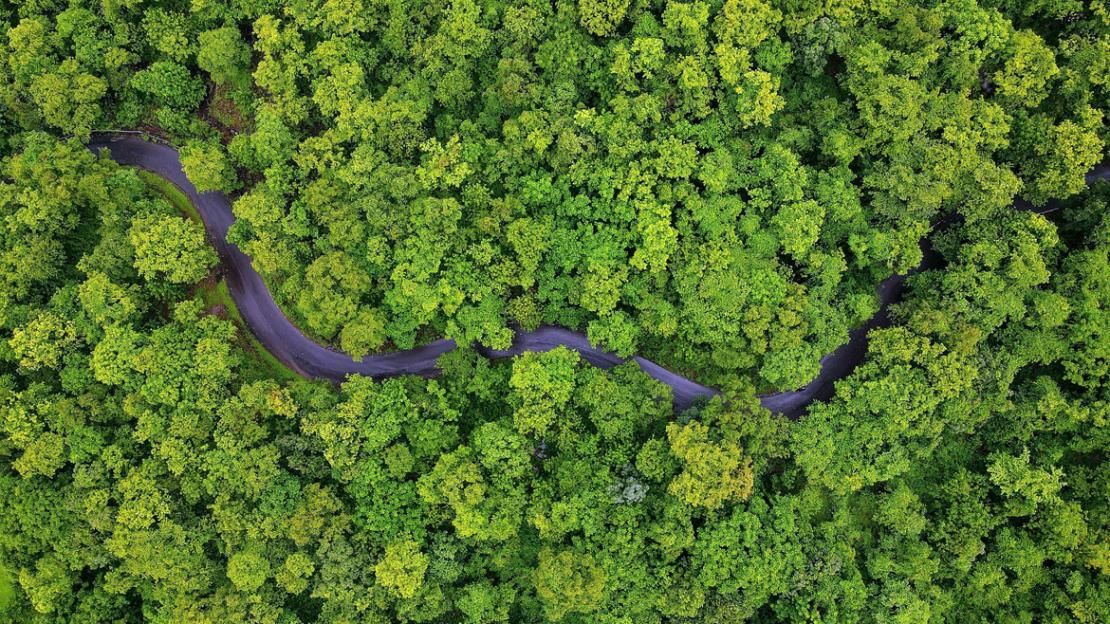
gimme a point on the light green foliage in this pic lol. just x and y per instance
(45, 584)
(483, 603)
(602, 17)
(107, 302)
(170, 84)
(1061, 153)
(170, 33)
(365, 334)
(295, 574)
(713, 473)
(800, 226)
(56, 72)
(615, 333)
(171, 248)
(222, 53)
(207, 166)
(1027, 70)
(42, 342)
(568, 582)
(1025, 486)
(402, 568)
(330, 300)
(69, 100)
(469, 486)
(757, 98)
(248, 570)
(544, 382)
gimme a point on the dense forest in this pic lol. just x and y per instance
(716, 185)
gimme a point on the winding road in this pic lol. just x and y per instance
(274, 331)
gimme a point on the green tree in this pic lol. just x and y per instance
(544, 383)
(169, 84)
(567, 582)
(402, 568)
(69, 99)
(43, 342)
(248, 570)
(171, 248)
(601, 17)
(713, 474)
(224, 55)
(365, 334)
(207, 166)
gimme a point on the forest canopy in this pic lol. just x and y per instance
(716, 185)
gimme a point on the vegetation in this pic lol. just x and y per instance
(217, 298)
(172, 194)
(718, 185)
(214, 293)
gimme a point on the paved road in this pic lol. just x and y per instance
(270, 326)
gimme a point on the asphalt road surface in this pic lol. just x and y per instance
(270, 326)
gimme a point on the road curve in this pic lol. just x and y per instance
(274, 331)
